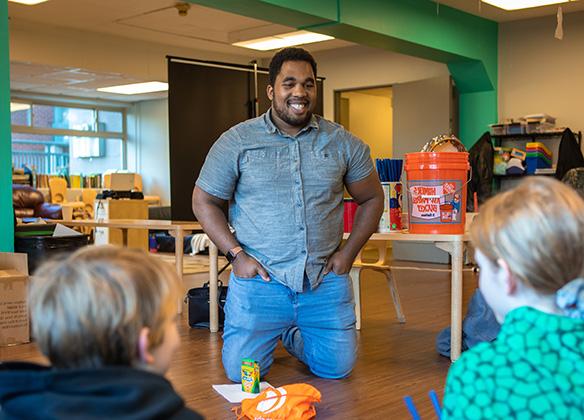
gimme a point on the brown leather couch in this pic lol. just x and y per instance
(29, 202)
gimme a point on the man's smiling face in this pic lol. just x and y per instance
(293, 96)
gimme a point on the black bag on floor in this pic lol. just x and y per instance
(198, 303)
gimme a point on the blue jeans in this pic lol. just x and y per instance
(316, 326)
(479, 325)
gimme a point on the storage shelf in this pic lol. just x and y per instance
(521, 175)
(533, 136)
(550, 138)
(528, 135)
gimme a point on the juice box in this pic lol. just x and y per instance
(250, 376)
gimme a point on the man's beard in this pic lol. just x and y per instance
(285, 115)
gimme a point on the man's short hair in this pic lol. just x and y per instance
(88, 309)
(289, 54)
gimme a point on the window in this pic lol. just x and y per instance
(19, 113)
(54, 138)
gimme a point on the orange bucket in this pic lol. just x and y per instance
(436, 191)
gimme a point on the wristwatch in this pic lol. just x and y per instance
(233, 253)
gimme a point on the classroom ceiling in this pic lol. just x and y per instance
(158, 21)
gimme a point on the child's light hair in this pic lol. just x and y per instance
(537, 228)
(88, 309)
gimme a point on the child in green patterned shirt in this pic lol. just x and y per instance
(530, 248)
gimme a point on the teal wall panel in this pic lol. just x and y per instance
(6, 212)
(477, 111)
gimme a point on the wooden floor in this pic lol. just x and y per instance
(394, 360)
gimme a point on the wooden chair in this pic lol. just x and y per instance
(57, 189)
(88, 196)
(382, 265)
(58, 194)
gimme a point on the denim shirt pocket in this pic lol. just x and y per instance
(327, 165)
(266, 164)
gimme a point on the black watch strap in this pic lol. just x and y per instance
(233, 253)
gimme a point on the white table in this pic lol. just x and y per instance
(454, 245)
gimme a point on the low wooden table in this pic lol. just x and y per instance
(176, 228)
(454, 245)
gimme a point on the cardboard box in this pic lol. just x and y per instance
(14, 316)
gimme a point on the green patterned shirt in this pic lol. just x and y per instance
(534, 369)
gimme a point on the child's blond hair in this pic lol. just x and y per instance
(537, 228)
(88, 309)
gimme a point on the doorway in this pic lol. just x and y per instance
(368, 114)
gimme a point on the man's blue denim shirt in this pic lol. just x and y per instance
(285, 193)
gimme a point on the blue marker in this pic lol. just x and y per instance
(411, 408)
(435, 403)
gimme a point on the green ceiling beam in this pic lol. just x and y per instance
(420, 28)
(413, 27)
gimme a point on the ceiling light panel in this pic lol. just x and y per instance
(28, 2)
(522, 4)
(283, 40)
(136, 88)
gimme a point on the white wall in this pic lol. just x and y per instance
(148, 146)
(359, 67)
(538, 73)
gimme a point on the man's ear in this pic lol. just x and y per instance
(270, 92)
(146, 356)
(509, 278)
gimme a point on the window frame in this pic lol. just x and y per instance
(75, 103)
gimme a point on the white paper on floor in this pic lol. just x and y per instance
(234, 394)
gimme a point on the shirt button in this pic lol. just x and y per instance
(297, 182)
(301, 228)
(299, 204)
(303, 252)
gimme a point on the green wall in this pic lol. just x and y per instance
(6, 213)
(466, 43)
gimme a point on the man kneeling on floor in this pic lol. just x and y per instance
(105, 317)
(283, 175)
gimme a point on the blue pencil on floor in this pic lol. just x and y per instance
(435, 403)
(412, 408)
(414, 412)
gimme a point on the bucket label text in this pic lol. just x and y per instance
(435, 201)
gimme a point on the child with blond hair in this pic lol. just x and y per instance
(530, 248)
(105, 317)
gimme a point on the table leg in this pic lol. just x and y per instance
(354, 275)
(456, 250)
(213, 284)
(179, 254)
(456, 302)
(125, 237)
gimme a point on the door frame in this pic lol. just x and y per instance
(337, 97)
